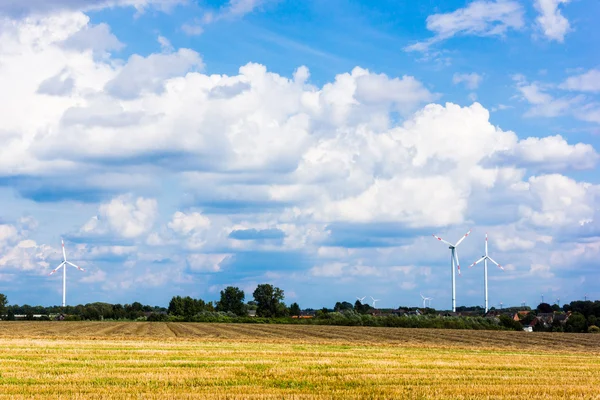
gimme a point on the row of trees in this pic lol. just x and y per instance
(90, 311)
(268, 303)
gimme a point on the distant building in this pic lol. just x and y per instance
(519, 315)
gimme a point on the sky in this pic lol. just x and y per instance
(182, 146)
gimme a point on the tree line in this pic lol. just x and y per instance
(267, 306)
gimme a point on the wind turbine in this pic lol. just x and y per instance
(425, 300)
(453, 261)
(361, 299)
(374, 300)
(485, 259)
(64, 264)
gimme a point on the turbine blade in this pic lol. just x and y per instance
(442, 240)
(462, 238)
(477, 262)
(63, 250)
(73, 265)
(499, 266)
(486, 244)
(455, 253)
(57, 268)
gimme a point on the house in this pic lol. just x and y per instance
(252, 313)
(519, 315)
(562, 318)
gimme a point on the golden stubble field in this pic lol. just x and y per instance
(137, 360)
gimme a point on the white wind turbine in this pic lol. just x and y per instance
(485, 259)
(64, 264)
(361, 299)
(425, 300)
(374, 300)
(453, 261)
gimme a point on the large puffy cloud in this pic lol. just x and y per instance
(559, 201)
(123, 216)
(555, 153)
(19, 252)
(149, 73)
(328, 154)
(365, 175)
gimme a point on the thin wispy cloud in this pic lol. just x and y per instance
(478, 18)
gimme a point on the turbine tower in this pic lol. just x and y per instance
(485, 259)
(64, 264)
(453, 261)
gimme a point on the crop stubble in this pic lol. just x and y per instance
(185, 360)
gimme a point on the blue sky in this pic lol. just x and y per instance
(183, 146)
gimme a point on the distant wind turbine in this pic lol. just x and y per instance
(64, 264)
(485, 259)
(425, 300)
(374, 301)
(361, 299)
(453, 262)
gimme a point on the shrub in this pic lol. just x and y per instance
(158, 317)
(593, 329)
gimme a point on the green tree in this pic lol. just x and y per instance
(344, 305)
(269, 301)
(3, 304)
(176, 306)
(295, 309)
(192, 307)
(544, 308)
(361, 308)
(510, 323)
(232, 299)
(576, 323)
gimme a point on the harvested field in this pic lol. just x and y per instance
(186, 360)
